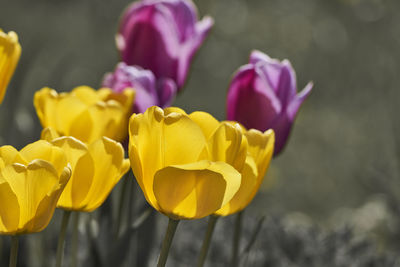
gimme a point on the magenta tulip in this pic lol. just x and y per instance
(149, 91)
(162, 36)
(263, 95)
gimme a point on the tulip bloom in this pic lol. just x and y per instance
(31, 182)
(162, 36)
(149, 91)
(85, 113)
(10, 51)
(184, 170)
(96, 169)
(263, 95)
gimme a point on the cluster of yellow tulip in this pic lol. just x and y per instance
(188, 166)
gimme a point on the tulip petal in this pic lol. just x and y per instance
(9, 214)
(167, 90)
(195, 190)
(190, 48)
(49, 134)
(247, 188)
(261, 148)
(207, 123)
(10, 52)
(46, 151)
(9, 155)
(47, 205)
(82, 171)
(298, 100)
(228, 145)
(45, 102)
(31, 184)
(159, 139)
(109, 167)
(249, 103)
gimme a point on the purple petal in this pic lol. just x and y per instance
(185, 17)
(142, 81)
(167, 90)
(150, 40)
(248, 103)
(257, 56)
(298, 100)
(189, 49)
(282, 126)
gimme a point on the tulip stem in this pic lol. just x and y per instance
(61, 238)
(169, 235)
(122, 197)
(236, 239)
(14, 251)
(207, 240)
(74, 241)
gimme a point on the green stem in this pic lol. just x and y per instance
(236, 240)
(61, 238)
(122, 197)
(207, 240)
(14, 251)
(169, 235)
(74, 241)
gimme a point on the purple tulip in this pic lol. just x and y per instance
(263, 95)
(162, 36)
(149, 91)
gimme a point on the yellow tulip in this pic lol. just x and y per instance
(182, 173)
(85, 113)
(249, 151)
(30, 188)
(10, 51)
(96, 169)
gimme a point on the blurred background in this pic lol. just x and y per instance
(341, 165)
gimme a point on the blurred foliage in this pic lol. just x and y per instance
(345, 147)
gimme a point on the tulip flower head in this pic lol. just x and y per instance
(85, 113)
(263, 95)
(96, 169)
(162, 36)
(188, 166)
(31, 182)
(10, 51)
(149, 91)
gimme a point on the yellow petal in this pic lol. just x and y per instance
(246, 190)
(261, 148)
(9, 214)
(109, 167)
(195, 190)
(227, 144)
(45, 102)
(10, 52)
(82, 171)
(32, 184)
(9, 155)
(46, 151)
(207, 123)
(158, 140)
(87, 95)
(49, 134)
(175, 110)
(47, 205)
